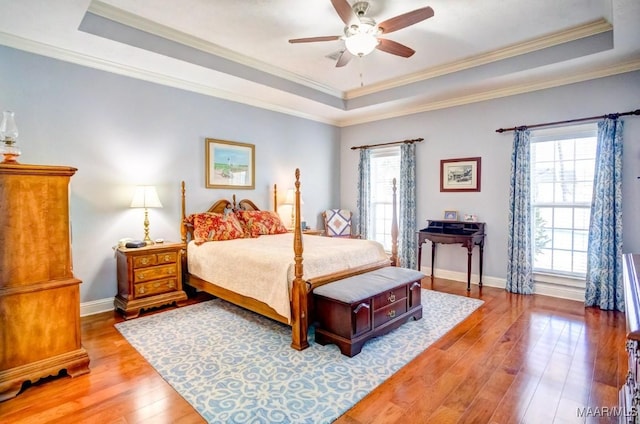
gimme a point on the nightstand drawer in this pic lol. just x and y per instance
(143, 261)
(151, 260)
(146, 274)
(156, 287)
(167, 258)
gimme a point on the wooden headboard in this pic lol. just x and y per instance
(223, 205)
(220, 206)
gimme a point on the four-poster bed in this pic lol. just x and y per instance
(263, 275)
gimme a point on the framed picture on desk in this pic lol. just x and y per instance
(451, 215)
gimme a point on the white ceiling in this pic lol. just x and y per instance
(470, 50)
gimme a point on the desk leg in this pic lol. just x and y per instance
(481, 256)
(433, 257)
(469, 254)
(419, 255)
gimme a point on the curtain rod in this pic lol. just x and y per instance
(368, 146)
(611, 116)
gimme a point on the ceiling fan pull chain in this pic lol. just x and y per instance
(360, 69)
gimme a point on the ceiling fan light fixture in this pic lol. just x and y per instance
(361, 44)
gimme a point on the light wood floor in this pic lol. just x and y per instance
(532, 359)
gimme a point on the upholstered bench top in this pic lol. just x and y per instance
(363, 286)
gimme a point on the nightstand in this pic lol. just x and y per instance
(149, 277)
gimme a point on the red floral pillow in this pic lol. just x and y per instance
(210, 226)
(256, 223)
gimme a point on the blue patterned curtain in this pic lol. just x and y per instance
(407, 207)
(604, 266)
(364, 190)
(519, 272)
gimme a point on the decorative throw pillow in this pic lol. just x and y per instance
(338, 222)
(257, 223)
(210, 226)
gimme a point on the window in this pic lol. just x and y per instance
(385, 166)
(562, 172)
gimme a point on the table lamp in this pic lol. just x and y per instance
(146, 197)
(290, 199)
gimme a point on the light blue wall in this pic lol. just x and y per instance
(120, 132)
(469, 131)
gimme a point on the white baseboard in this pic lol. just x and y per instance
(96, 306)
(462, 277)
(542, 288)
(546, 289)
(563, 292)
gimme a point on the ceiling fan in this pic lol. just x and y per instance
(362, 35)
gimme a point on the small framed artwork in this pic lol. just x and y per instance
(470, 217)
(460, 174)
(229, 164)
(451, 215)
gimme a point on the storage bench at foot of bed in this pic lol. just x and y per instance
(351, 311)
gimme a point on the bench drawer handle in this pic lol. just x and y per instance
(391, 298)
(391, 313)
(359, 307)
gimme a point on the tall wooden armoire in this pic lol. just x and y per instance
(39, 296)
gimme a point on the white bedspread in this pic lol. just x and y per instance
(263, 267)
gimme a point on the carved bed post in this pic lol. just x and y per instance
(183, 228)
(275, 198)
(394, 229)
(300, 323)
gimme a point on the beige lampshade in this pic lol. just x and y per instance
(145, 197)
(290, 197)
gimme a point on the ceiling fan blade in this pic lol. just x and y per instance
(394, 47)
(344, 58)
(344, 11)
(406, 19)
(314, 39)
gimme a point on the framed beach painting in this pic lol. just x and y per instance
(229, 164)
(460, 174)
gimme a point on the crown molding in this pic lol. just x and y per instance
(129, 19)
(620, 68)
(65, 55)
(43, 49)
(586, 30)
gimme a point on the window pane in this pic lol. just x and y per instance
(580, 262)
(584, 192)
(543, 260)
(581, 218)
(542, 152)
(562, 260)
(585, 170)
(562, 172)
(385, 166)
(562, 239)
(580, 240)
(544, 193)
(563, 193)
(585, 148)
(563, 217)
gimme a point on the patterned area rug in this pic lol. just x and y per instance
(235, 366)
